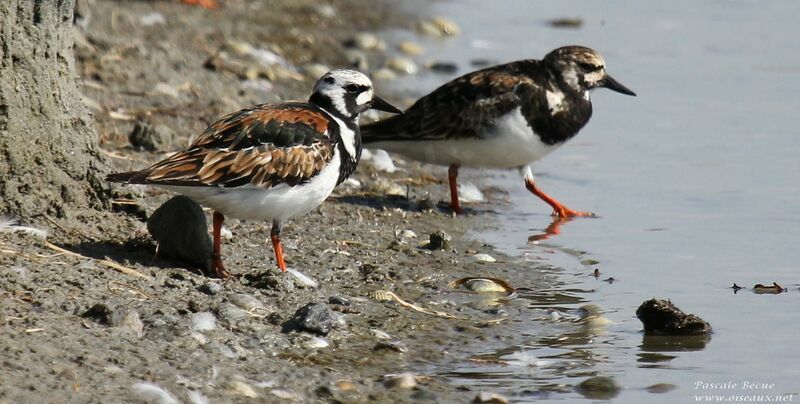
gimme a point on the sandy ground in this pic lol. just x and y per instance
(75, 329)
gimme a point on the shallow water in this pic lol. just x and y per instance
(695, 182)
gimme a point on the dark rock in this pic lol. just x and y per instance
(315, 318)
(661, 317)
(179, 228)
(210, 288)
(426, 204)
(150, 137)
(599, 388)
(439, 240)
(340, 300)
(443, 67)
(99, 313)
(424, 395)
(397, 346)
(568, 22)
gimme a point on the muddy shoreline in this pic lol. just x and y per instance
(75, 329)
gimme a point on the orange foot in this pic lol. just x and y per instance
(209, 4)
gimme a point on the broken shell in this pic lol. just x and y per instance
(484, 258)
(410, 48)
(484, 285)
(384, 74)
(405, 234)
(402, 65)
(381, 295)
(592, 314)
(400, 381)
(438, 26)
(365, 41)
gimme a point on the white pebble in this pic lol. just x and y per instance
(316, 343)
(203, 321)
(402, 65)
(154, 18)
(352, 182)
(405, 234)
(483, 258)
(400, 381)
(381, 161)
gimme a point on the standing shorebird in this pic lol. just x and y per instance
(271, 161)
(505, 116)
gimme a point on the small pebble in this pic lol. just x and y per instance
(150, 19)
(486, 397)
(365, 41)
(439, 240)
(483, 258)
(151, 137)
(400, 381)
(203, 321)
(210, 288)
(402, 65)
(405, 234)
(246, 302)
(340, 300)
(316, 318)
(241, 388)
(438, 26)
(384, 74)
(380, 334)
(315, 70)
(357, 59)
(599, 388)
(231, 313)
(443, 67)
(397, 346)
(410, 48)
(316, 343)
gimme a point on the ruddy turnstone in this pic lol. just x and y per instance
(505, 116)
(271, 161)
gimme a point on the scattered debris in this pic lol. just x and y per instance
(774, 289)
(386, 296)
(661, 317)
(484, 285)
(736, 287)
(568, 22)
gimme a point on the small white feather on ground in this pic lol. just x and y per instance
(469, 192)
(11, 225)
(303, 279)
(154, 394)
(380, 160)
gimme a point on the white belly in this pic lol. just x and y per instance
(279, 203)
(510, 144)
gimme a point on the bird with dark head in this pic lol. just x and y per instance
(504, 116)
(271, 161)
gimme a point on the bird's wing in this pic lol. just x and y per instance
(462, 108)
(264, 146)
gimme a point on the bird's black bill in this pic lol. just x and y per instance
(381, 105)
(614, 85)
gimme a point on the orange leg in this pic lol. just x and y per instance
(452, 175)
(558, 209)
(275, 235)
(552, 230)
(216, 259)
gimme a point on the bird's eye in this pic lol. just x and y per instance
(329, 80)
(590, 67)
(352, 88)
